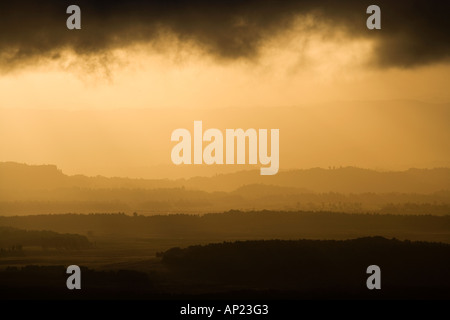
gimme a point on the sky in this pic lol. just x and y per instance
(104, 99)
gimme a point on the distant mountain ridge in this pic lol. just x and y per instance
(16, 176)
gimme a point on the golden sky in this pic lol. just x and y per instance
(337, 98)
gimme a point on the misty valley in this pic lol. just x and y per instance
(306, 234)
(232, 254)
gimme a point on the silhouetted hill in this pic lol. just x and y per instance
(273, 269)
(342, 180)
(16, 176)
(12, 239)
(45, 189)
(313, 267)
(244, 225)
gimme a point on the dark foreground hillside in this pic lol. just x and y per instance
(313, 268)
(272, 269)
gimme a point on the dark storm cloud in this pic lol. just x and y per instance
(413, 32)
